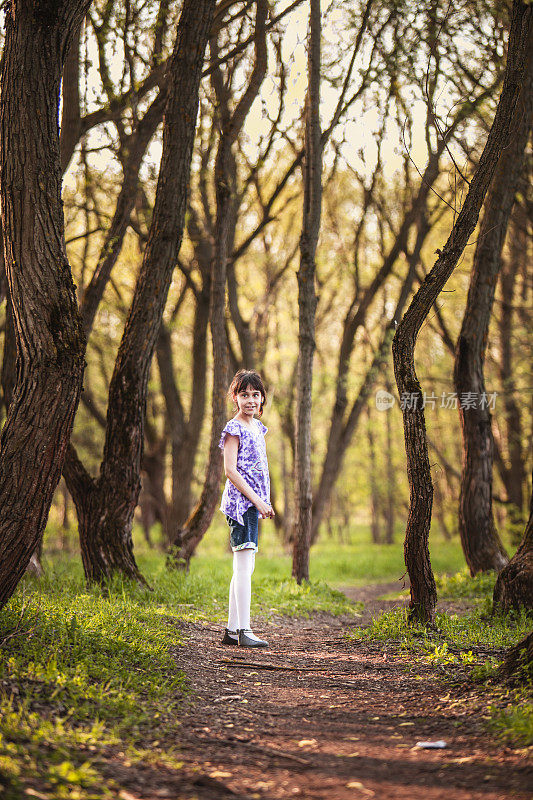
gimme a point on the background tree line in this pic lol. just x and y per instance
(240, 192)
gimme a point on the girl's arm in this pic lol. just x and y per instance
(231, 446)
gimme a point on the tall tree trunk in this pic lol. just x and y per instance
(312, 209)
(514, 477)
(423, 590)
(374, 491)
(190, 535)
(514, 585)
(482, 546)
(391, 478)
(50, 342)
(188, 538)
(106, 506)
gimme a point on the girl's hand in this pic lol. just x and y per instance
(264, 509)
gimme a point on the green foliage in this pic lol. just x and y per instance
(463, 585)
(473, 629)
(83, 671)
(513, 724)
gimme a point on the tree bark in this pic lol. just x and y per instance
(106, 506)
(482, 546)
(9, 356)
(50, 342)
(188, 538)
(423, 590)
(312, 209)
(514, 476)
(514, 585)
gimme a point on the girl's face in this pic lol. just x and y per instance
(248, 401)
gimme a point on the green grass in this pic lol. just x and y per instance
(513, 724)
(81, 673)
(473, 629)
(461, 585)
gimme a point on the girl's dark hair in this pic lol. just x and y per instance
(244, 378)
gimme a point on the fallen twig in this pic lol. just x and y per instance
(258, 665)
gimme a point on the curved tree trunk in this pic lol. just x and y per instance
(482, 546)
(106, 506)
(514, 586)
(423, 589)
(312, 208)
(50, 342)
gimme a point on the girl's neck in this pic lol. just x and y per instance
(244, 419)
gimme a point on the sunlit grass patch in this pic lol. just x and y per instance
(515, 723)
(82, 671)
(475, 628)
(288, 598)
(462, 585)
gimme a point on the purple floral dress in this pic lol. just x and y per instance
(252, 464)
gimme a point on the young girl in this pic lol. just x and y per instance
(246, 498)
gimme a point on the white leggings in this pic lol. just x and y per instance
(240, 589)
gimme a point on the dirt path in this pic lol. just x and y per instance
(318, 716)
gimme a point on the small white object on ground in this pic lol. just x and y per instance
(438, 745)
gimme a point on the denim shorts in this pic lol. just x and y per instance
(244, 537)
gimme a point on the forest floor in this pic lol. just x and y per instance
(320, 715)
